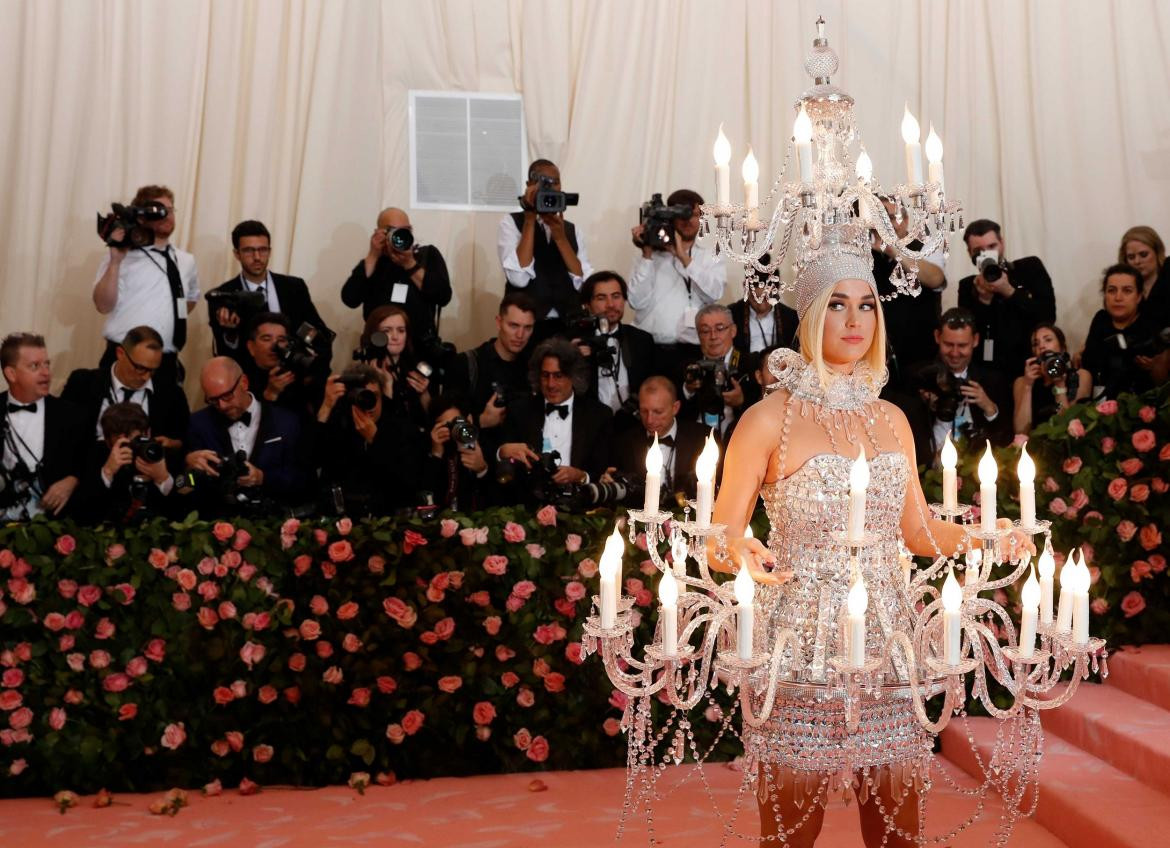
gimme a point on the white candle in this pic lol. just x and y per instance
(858, 482)
(1026, 471)
(911, 133)
(705, 473)
(653, 477)
(614, 549)
(668, 597)
(802, 139)
(971, 573)
(1067, 580)
(864, 167)
(722, 174)
(751, 187)
(952, 599)
(606, 572)
(1030, 596)
(1047, 570)
(934, 168)
(987, 474)
(745, 589)
(857, 602)
(950, 458)
(1081, 603)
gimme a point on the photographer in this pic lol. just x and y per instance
(1049, 384)
(561, 437)
(155, 285)
(673, 278)
(386, 344)
(126, 477)
(232, 305)
(42, 436)
(280, 367)
(620, 357)
(369, 459)
(965, 397)
(1124, 343)
(455, 469)
(1007, 299)
(400, 271)
(719, 387)
(542, 253)
(249, 453)
(759, 325)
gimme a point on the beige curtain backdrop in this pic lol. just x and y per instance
(1053, 115)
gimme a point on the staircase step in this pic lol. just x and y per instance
(1084, 801)
(1128, 733)
(1142, 672)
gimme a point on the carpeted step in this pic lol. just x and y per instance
(1084, 801)
(1127, 732)
(1142, 672)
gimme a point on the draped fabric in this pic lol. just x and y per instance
(1052, 113)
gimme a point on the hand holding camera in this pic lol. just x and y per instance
(733, 397)
(974, 394)
(278, 381)
(992, 277)
(520, 453)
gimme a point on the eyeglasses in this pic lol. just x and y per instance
(255, 251)
(218, 399)
(144, 370)
(717, 330)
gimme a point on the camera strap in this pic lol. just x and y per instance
(11, 441)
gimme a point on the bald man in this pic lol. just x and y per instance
(236, 420)
(399, 270)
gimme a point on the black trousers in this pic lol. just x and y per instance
(169, 371)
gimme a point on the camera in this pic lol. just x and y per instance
(298, 353)
(463, 433)
(132, 221)
(1152, 346)
(990, 264)
(16, 485)
(500, 390)
(581, 496)
(937, 379)
(548, 200)
(593, 331)
(1055, 364)
(146, 449)
(139, 489)
(399, 238)
(243, 303)
(226, 487)
(374, 350)
(432, 355)
(657, 220)
(714, 381)
(359, 394)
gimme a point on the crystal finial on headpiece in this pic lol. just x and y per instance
(843, 253)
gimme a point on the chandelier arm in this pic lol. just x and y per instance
(917, 698)
(1021, 567)
(701, 669)
(1061, 699)
(635, 686)
(783, 638)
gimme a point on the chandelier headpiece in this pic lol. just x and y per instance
(842, 254)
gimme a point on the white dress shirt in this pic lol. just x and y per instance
(761, 329)
(26, 440)
(669, 452)
(508, 239)
(613, 390)
(139, 396)
(663, 304)
(144, 293)
(266, 288)
(243, 435)
(558, 432)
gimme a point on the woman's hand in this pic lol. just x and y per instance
(752, 553)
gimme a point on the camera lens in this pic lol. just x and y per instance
(401, 238)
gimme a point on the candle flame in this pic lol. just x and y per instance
(952, 593)
(668, 589)
(859, 472)
(745, 586)
(678, 550)
(934, 147)
(654, 458)
(1068, 572)
(751, 168)
(1047, 563)
(864, 167)
(708, 459)
(614, 547)
(802, 127)
(911, 132)
(949, 456)
(858, 600)
(1030, 596)
(988, 470)
(722, 149)
(1082, 577)
(1026, 470)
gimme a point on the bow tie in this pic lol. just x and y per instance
(20, 407)
(562, 409)
(667, 441)
(245, 419)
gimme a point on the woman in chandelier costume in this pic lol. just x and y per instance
(795, 449)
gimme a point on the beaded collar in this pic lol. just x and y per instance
(845, 392)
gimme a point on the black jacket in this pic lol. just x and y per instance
(785, 326)
(115, 504)
(65, 442)
(377, 477)
(420, 304)
(592, 431)
(1007, 323)
(629, 457)
(637, 353)
(87, 388)
(998, 389)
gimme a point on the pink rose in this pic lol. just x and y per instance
(524, 589)
(504, 653)
(20, 719)
(10, 700)
(12, 678)
(480, 599)
(235, 740)
(522, 739)
(75, 619)
(1072, 465)
(1159, 485)
(643, 598)
(347, 611)
(554, 682)
(67, 588)
(136, 667)
(127, 712)
(525, 698)
(242, 540)
(468, 536)
(181, 601)
(290, 527)
(310, 629)
(65, 545)
(513, 532)
(546, 516)
(509, 679)
(495, 564)
(514, 603)
(376, 564)
(538, 750)
(318, 605)
(1108, 444)
(66, 642)
(1150, 537)
(387, 685)
(1130, 466)
(572, 543)
(1099, 606)
(1079, 499)
(411, 661)
(56, 718)
(252, 653)
(99, 659)
(220, 748)
(1157, 563)
(574, 654)
(302, 564)
(174, 735)
(450, 683)
(534, 550)
(359, 697)
(1139, 571)
(1132, 604)
(445, 628)
(1093, 516)
(587, 568)
(448, 527)
(227, 610)
(73, 696)
(55, 621)
(611, 726)
(1107, 407)
(208, 618)
(575, 591)
(296, 662)
(344, 525)
(1050, 485)
(1140, 493)
(1147, 414)
(186, 579)
(248, 787)
(87, 596)
(492, 624)
(333, 675)
(229, 560)
(351, 643)
(266, 694)
(1164, 453)
(1126, 530)
(324, 649)
(222, 695)
(412, 722)
(428, 637)
(618, 700)
(395, 733)
(262, 753)
(411, 540)
(1076, 429)
(208, 590)
(1144, 440)
(341, 551)
(1117, 488)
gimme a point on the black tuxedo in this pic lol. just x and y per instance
(636, 352)
(592, 431)
(998, 389)
(1008, 322)
(98, 503)
(785, 325)
(65, 442)
(296, 304)
(88, 388)
(279, 450)
(629, 457)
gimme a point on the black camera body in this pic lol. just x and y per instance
(299, 353)
(243, 303)
(1055, 364)
(432, 355)
(373, 350)
(400, 238)
(939, 381)
(593, 331)
(464, 434)
(359, 394)
(226, 487)
(550, 201)
(16, 485)
(132, 221)
(147, 449)
(1153, 345)
(991, 265)
(714, 380)
(500, 390)
(657, 220)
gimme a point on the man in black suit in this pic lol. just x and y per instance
(235, 420)
(42, 437)
(291, 387)
(681, 442)
(399, 270)
(562, 419)
(720, 386)
(131, 380)
(124, 481)
(760, 325)
(617, 369)
(1007, 299)
(233, 304)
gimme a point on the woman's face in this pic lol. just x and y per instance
(394, 326)
(1045, 341)
(1121, 297)
(850, 323)
(1141, 256)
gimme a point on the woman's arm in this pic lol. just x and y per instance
(1022, 390)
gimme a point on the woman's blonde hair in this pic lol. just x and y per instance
(811, 334)
(1147, 236)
